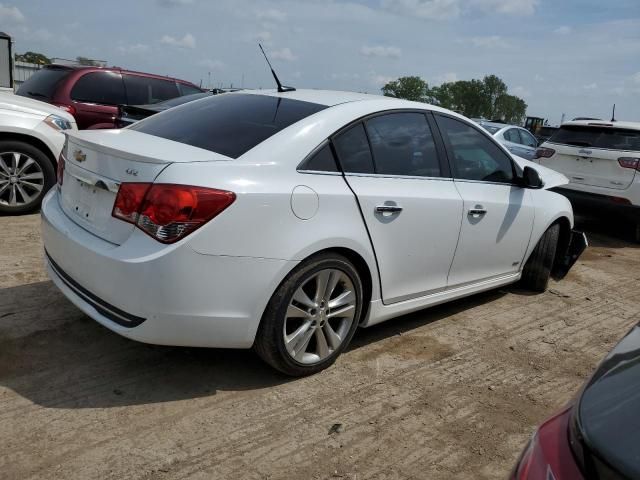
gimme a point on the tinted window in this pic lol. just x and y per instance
(188, 89)
(597, 137)
(491, 129)
(527, 139)
(475, 157)
(321, 161)
(511, 135)
(353, 150)
(174, 102)
(42, 85)
(99, 87)
(229, 124)
(146, 90)
(402, 144)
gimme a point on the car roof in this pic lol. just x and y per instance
(329, 98)
(115, 69)
(602, 123)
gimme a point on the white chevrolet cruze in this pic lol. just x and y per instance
(284, 221)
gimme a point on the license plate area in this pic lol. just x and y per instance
(89, 204)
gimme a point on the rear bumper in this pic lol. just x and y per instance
(155, 293)
(595, 203)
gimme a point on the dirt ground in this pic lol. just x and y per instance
(450, 392)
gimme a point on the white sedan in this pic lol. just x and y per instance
(284, 221)
(31, 140)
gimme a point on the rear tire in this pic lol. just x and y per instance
(26, 175)
(303, 330)
(537, 270)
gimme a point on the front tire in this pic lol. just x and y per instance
(537, 270)
(312, 316)
(26, 174)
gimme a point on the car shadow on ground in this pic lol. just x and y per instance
(606, 231)
(57, 357)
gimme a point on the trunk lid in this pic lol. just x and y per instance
(588, 155)
(97, 162)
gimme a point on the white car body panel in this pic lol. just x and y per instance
(211, 287)
(24, 116)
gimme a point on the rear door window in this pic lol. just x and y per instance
(597, 137)
(42, 84)
(527, 139)
(353, 150)
(147, 90)
(473, 155)
(512, 136)
(104, 88)
(229, 124)
(402, 144)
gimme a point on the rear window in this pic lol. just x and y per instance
(42, 84)
(490, 129)
(597, 137)
(229, 124)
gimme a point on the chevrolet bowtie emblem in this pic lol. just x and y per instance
(79, 156)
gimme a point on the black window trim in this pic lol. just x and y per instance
(300, 168)
(435, 132)
(514, 168)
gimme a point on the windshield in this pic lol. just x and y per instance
(597, 137)
(42, 84)
(230, 124)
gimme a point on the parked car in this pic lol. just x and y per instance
(31, 140)
(130, 114)
(517, 140)
(92, 94)
(596, 436)
(284, 221)
(602, 161)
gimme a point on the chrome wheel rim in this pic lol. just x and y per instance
(21, 179)
(319, 316)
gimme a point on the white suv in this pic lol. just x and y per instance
(602, 162)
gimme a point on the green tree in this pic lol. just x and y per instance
(409, 88)
(87, 61)
(33, 57)
(510, 109)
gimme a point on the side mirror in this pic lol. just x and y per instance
(531, 178)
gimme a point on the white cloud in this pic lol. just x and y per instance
(521, 92)
(590, 86)
(380, 80)
(211, 64)
(10, 14)
(283, 54)
(271, 15)
(636, 78)
(173, 3)
(134, 49)
(344, 76)
(506, 7)
(491, 41)
(446, 78)
(538, 78)
(428, 9)
(188, 41)
(381, 51)
(264, 37)
(563, 30)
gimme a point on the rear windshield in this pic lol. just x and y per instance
(230, 124)
(597, 137)
(490, 128)
(42, 84)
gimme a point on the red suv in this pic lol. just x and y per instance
(92, 94)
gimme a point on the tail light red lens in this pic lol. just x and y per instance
(60, 170)
(630, 162)
(544, 152)
(169, 212)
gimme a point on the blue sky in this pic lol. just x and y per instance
(576, 57)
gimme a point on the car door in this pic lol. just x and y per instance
(409, 203)
(498, 214)
(529, 144)
(96, 96)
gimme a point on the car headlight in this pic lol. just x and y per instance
(57, 123)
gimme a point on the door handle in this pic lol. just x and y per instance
(388, 209)
(477, 212)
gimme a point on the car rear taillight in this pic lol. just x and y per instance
(548, 454)
(543, 152)
(630, 162)
(169, 212)
(60, 170)
(67, 108)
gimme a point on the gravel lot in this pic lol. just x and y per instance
(450, 392)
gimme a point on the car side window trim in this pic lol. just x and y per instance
(449, 153)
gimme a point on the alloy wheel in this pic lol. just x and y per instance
(319, 316)
(21, 179)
